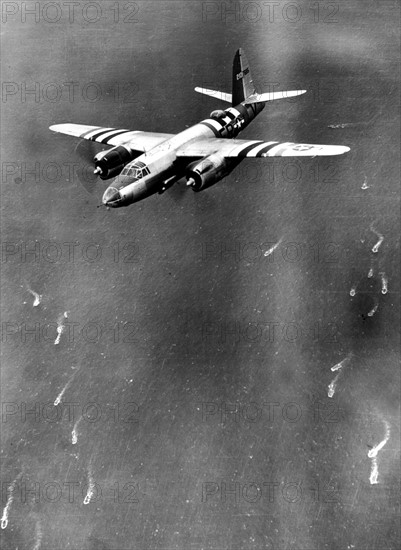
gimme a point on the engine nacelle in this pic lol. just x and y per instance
(110, 163)
(208, 171)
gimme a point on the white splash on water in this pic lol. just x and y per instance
(38, 535)
(273, 248)
(374, 474)
(38, 297)
(74, 433)
(376, 247)
(384, 282)
(332, 386)
(60, 395)
(4, 517)
(60, 330)
(341, 125)
(373, 452)
(365, 183)
(60, 327)
(91, 487)
(338, 367)
(374, 308)
(342, 363)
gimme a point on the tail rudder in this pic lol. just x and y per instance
(243, 86)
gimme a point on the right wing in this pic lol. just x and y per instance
(233, 148)
(135, 140)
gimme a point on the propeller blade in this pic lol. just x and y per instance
(178, 190)
(87, 177)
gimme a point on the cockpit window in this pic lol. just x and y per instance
(137, 170)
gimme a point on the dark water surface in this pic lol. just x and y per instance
(192, 377)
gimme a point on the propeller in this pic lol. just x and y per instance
(87, 175)
(178, 190)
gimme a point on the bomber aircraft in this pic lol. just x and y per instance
(144, 163)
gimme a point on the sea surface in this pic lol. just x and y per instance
(214, 370)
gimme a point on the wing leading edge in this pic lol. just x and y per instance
(239, 148)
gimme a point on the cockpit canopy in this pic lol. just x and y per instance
(217, 114)
(136, 170)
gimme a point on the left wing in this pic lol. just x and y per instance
(256, 148)
(135, 140)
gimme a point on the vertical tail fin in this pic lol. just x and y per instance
(243, 85)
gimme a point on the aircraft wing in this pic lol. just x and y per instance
(135, 140)
(256, 148)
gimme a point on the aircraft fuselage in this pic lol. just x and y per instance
(153, 171)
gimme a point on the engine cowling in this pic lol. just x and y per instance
(204, 173)
(109, 163)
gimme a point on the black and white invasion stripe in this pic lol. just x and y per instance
(253, 148)
(103, 135)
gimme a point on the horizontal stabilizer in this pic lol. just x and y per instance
(261, 98)
(213, 93)
(254, 98)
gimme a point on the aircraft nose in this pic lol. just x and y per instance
(111, 195)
